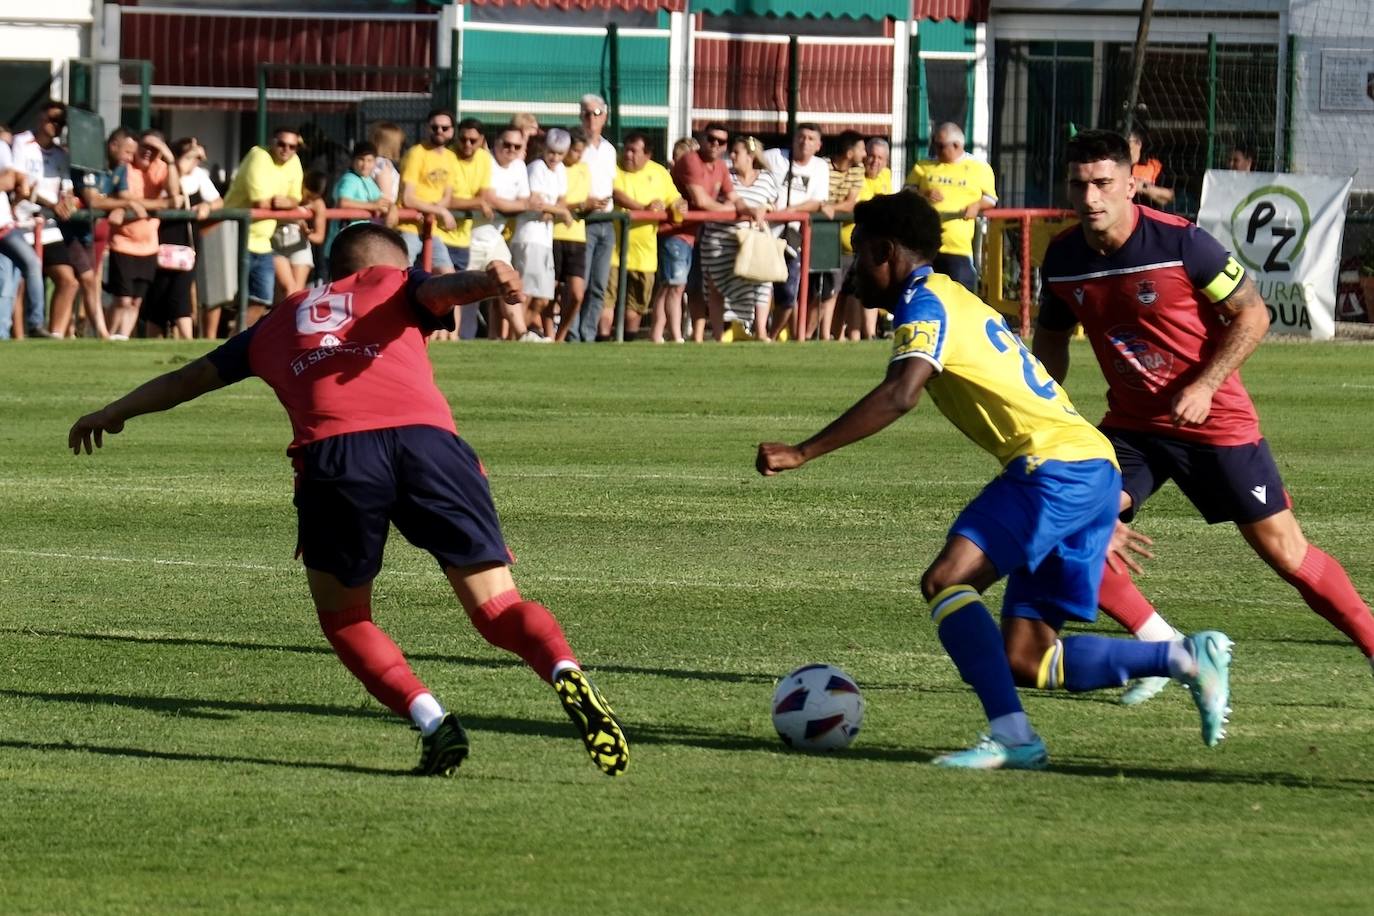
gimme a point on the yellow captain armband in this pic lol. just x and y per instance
(1225, 283)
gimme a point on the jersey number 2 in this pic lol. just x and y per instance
(1003, 339)
(323, 310)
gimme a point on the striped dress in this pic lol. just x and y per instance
(719, 247)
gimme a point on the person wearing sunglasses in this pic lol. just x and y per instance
(703, 178)
(601, 159)
(268, 178)
(430, 172)
(960, 187)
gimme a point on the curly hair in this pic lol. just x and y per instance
(906, 218)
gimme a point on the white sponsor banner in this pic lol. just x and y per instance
(1286, 230)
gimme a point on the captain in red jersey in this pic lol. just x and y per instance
(374, 444)
(1171, 317)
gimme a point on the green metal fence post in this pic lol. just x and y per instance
(613, 78)
(1288, 107)
(793, 85)
(262, 104)
(145, 95)
(455, 43)
(1211, 99)
(915, 92)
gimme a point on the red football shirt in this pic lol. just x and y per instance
(345, 358)
(1149, 311)
(712, 177)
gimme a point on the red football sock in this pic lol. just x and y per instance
(1326, 588)
(1120, 600)
(525, 628)
(372, 657)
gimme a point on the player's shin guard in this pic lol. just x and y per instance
(1080, 663)
(972, 640)
(525, 628)
(372, 657)
(1120, 600)
(1326, 588)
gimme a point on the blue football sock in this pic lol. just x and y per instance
(971, 638)
(1094, 662)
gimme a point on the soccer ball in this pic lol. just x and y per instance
(817, 708)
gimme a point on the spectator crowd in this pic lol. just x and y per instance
(521, 193)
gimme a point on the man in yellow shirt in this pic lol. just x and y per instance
(267, 179)
(960, 187)
(433, 179)
(640, 184)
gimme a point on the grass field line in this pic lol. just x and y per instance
(135, 561)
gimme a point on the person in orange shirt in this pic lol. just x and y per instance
(1147, 173)
(153, 185)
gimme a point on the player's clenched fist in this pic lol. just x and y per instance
(507, 281)
(776, 457)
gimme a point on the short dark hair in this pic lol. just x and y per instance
(469, 124)
(316, 182)
(638, 135)
(355, 245)
(808, 125)
(1245, 148)
(434, 112)
(578, 134)
(847, 140)
(118, 135)
(1097, 145)
(906, 218)
(715, 125)
(363, 148)
(283, 129)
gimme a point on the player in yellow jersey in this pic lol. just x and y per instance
(1045, 522)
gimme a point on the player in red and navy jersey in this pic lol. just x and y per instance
(1171, 317)
(374, 444)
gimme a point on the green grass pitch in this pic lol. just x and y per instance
(176, 737)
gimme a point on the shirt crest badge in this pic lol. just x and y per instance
(1145, 292)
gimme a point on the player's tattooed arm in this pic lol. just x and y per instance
(441, 295)
(1248, 322)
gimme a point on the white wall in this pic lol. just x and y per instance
(1330, 142)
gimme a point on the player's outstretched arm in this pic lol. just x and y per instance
(894, 397)
(1248, 319)
(441, 295)
(162, 393)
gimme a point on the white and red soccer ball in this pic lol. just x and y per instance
(817, 708)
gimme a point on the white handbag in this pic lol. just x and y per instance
(761, 257)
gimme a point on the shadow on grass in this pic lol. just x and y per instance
(111, 751)
(640, 735)
(729, 677)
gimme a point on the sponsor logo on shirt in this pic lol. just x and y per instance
(1142, 365)
(321, 353)
(916, 337)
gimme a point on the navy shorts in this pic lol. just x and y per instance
(350, 489)
(1227, 483)
(1046, 528)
